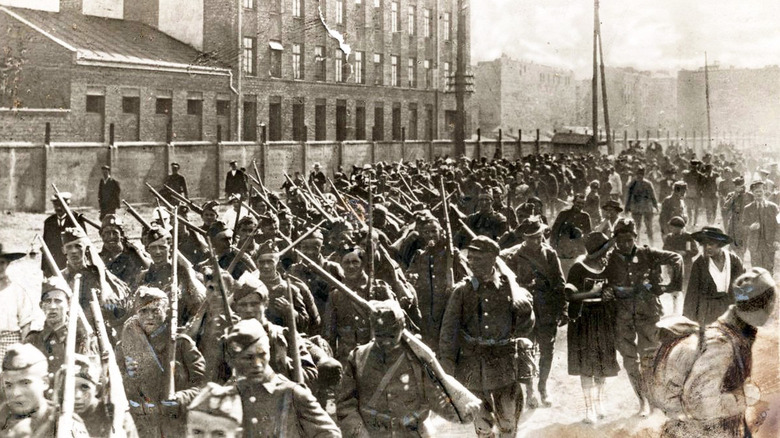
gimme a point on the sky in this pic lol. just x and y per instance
(664, 35)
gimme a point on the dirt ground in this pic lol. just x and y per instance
(562, 420)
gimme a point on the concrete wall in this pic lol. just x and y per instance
(27, 170)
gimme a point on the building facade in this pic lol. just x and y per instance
(512, 95)
(300, 70)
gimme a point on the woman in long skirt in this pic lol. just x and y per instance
(591, 338)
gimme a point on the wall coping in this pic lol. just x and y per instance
(52, 111)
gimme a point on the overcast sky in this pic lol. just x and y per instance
(646, 34)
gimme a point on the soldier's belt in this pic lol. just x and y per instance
(485, 343)
(628, 292)
(379, 420)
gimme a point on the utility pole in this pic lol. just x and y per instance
(707, 97)
(240, 71)
(610, 146)
(460, 84)
(595, 80)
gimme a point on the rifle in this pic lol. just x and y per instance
(296, 353)
(170, 369)
(65, 422)
(238, 217)
(90, 222)
(221, 284)
(345, 203)
(259, 178)
(459, 395)
(134, 213)
(157, 195)
(181, 198)
(450, 272)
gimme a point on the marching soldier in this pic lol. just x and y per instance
(485, 319)
(641, 201)
(760, 221)
(672, 206)
(733, 215)
(121, 257)
(215, 412)
(311, 247)
(634, 274)
(568, 232)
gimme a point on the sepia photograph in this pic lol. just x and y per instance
(389, 218)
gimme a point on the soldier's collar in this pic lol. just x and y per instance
(495, 279)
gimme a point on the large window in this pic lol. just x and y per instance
(297, 8)
(379, 70)
(428, 74)
(249, 4)
(276, 59)
(340, 12)
(297, 61)
(447, 78)
(394, 18)
(427, 23)
(360, 68)
(411, 72)
(394, 79)
(320, 66)
(446, 25)
(250, 54)
(412, 18)
(339, 66)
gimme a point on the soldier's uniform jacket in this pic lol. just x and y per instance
(52, 344)
(766, 216)
(318, 286)
(161, 277)
(734, 206)
(671, 207)
(99, 424)
(568, 231)
(430, 268)
(540, 273)
(640, 197)
(636, 278)
(40, 424)
(380, 396)
(282, 408)
(277, 288)
(481, 330)
(150, 352)
(126, 265)
(53, 227)
(492, 224)
(281, 353)
(345, 326)
(114, 300)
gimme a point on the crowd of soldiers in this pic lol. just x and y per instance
(364, 303)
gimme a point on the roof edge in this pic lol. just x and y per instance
(38, 29)
(153, 66)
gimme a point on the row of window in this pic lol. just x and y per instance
(96, 104)
(344, 71)
(297, 9)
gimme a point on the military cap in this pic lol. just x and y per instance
(216, 228)
(176, 165)
(247, 220)
(244, 334)
(679, 185)
(387, 312)
(739, 181)
(595, 184)
(224, 233)
(484, 244)
(209, 205)
(424, 216)
(111, 220)
(87, 368)
(248, 285)
(21, 357)
(525, 209)
(72, 234)
(695, 162)
(380, 208)
(486, 194)
(764, 171)
(105, 167)
(156, 233)
(218, 401)
(677, 221)
(532, 226)
(66, 196)
(754, 291)
(267, 248)
(624, 225)
(612, 205)
(147, 295)
(51, 284)
(233, 162)
(315, 235)
(757, 183)
(10, 256)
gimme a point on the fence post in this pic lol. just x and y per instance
(625, 140)
(499, 153)
(218, 167)
(519, 143)
(45, 167)
(47, 134)
(403, 142)
(537, 145)
(305, 152)
(478, 146)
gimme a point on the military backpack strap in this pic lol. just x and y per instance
(385, 381)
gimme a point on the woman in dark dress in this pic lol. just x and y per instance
(591, 338)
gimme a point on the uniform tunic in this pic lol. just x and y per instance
(52, 344)
(760, 241)
(40, 424)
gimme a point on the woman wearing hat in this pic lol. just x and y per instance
(18, 311)
(591, 341)
(710, 287)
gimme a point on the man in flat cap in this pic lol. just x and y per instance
(51, 340)
(272, 405)
(26, 412)
(176, 182)
(109, 193)
(733, 215)
(53, 227)
(121, 257)
(760, 223)
(145, 344)
(634, 275)
(538, 269)
(317, 177)
(387, 390)
(485, 320)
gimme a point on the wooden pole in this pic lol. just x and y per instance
(595, 79)
(707, 98)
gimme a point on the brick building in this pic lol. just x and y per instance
(512, 95)
(159, 69)
(742, 101)
(638, 100)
